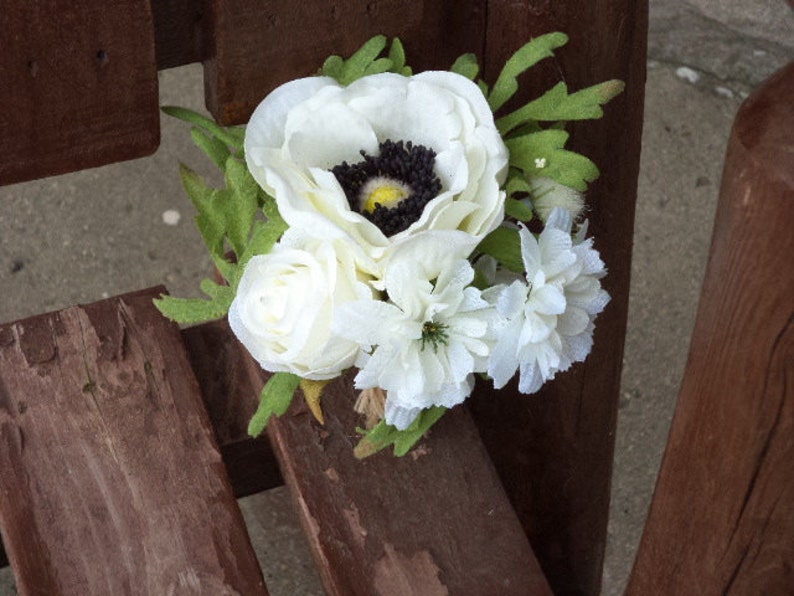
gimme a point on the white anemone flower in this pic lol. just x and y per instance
(383, 159)
(423, 345)
(547, 318)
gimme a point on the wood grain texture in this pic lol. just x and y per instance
(722, 517)
(219, 362)
(179, 32)
(111, 481)
(257, 45)
(554, 450)
(79, 86)
(434, 522)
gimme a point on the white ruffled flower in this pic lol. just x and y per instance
(547, 320)
(423, 345)
(285, 304)
(449, 177)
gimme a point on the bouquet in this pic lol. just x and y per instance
(389, 222)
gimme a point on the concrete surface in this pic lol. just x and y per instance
(97, 233)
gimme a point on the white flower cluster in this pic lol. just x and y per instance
(388, 186)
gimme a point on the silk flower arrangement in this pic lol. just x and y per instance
(386, 221)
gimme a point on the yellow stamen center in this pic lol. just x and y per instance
(387, 196)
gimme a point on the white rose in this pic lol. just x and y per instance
(308, 127)
(285, 303)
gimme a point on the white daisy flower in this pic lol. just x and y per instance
(547, 318)
(423, 345)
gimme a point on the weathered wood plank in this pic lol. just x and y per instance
(178, 32)
(434, 522)
(255, 46)
(230, 397)
(111, 481)
(554, 450)
(79, 86)
(722, 517)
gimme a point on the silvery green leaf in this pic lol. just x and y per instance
(556, 104)
(215, 149)
(542, 154)
(232, 139)
(383, 435)
(275, 398)
(467, 66)
(527, 56)
(504, 245)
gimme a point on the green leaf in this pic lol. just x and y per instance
(557, 104)
(189, 311)
(220, 293)
(238, 208)
(363, 62)
(229, 271)
(518, 210)
(527, 56)
(275, 398)
(264, 236)
(384, 434)
(504, 245)
(517, 184)
(203, 197)
(467, 66)
(397, 57)
(232, 139)
(216, 150)
(566, 167)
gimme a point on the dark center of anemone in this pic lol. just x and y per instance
(392, 188)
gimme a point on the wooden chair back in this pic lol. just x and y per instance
(122, 438)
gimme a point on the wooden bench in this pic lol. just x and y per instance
(122, 438)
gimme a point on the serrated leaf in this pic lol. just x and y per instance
(240, 206)
(546, 147)
(208, 124)
(556, 104)
(384, 435)
(265, 234)
(466, 66)
(190, 311)
(275, 398)
(215, 149)
(220, 293)
(204, 198)
(504, 245)
(518, 210)
(364, 61)
(527, 56)
(229, 271)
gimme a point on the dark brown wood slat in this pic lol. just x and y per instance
(219, 362)
(554, 450)
(434, 522)
(178, 32)
(112, 483)
(256, 46)
(79, 86)
(721, 521)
